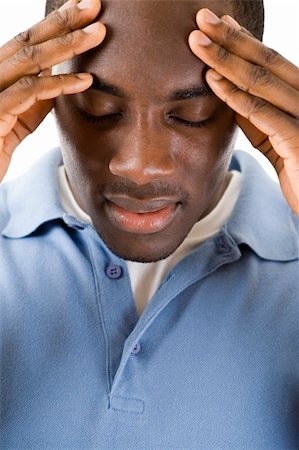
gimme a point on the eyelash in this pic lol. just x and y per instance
(104, 119)
(187, 123)
(99, 119)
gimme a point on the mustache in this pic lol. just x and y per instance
(150, 190)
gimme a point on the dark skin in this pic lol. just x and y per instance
(146, 149)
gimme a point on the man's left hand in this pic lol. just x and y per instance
(261, 86)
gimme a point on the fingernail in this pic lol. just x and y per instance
(45, 73)
(215, 75)
(85, 4)
(210, 17)
(83, 76)
(200, 38)
(67, 5)
(232, 22)
(91, 29)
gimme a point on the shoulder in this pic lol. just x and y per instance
(262, 218)
(31, 199)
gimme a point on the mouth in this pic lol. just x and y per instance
(141, 216)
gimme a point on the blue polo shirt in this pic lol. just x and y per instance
(213, 362)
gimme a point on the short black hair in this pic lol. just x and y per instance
(249, 13)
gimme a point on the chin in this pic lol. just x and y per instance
(136, 249)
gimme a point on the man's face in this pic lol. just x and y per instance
(156, 161)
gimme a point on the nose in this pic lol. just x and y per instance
(143, 156)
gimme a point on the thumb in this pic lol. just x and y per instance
(36, 114)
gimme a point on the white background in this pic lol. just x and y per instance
(281, 33)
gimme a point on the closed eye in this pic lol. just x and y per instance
(189, 123)
(117, 116)
(100, 119)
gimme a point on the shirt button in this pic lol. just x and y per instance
(114, 272)
(136, 349)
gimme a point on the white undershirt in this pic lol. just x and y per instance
(147, 277)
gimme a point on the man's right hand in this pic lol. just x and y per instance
(27, 89)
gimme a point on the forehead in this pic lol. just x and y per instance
(147, 43)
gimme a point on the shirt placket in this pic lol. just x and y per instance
(115, 302)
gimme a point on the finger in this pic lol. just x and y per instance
(247, 47)
(260, 141)
(34, 59)
(46, 73)
(280, 127)
(249, 77)
(22, 126)
(26, 92)
(70, 17)
(233, 23)
(5, 158)
(257, 138)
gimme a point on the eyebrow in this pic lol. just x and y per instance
(107, 88)
(202, 90)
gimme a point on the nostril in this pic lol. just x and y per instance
(144, 169)
(119, 166)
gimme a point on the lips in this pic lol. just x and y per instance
(141, 216)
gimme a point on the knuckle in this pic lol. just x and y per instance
(270, 56)
(278, 164)
(256, 105)
(25, 37)
(59, 78)
(67, 40)
(234, 90)
(277, 114)
(246, 32)
(66, 19)
(31, 52)
(61, 18)
(222, 54)
(261, 76)
(231, 34)
(26, 83)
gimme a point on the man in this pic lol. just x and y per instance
(148, 275)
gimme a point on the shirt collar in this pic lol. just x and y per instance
(33, 198)
(261, 218)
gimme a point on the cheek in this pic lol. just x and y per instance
(209, 151)
(207, 163)
(81, 144)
